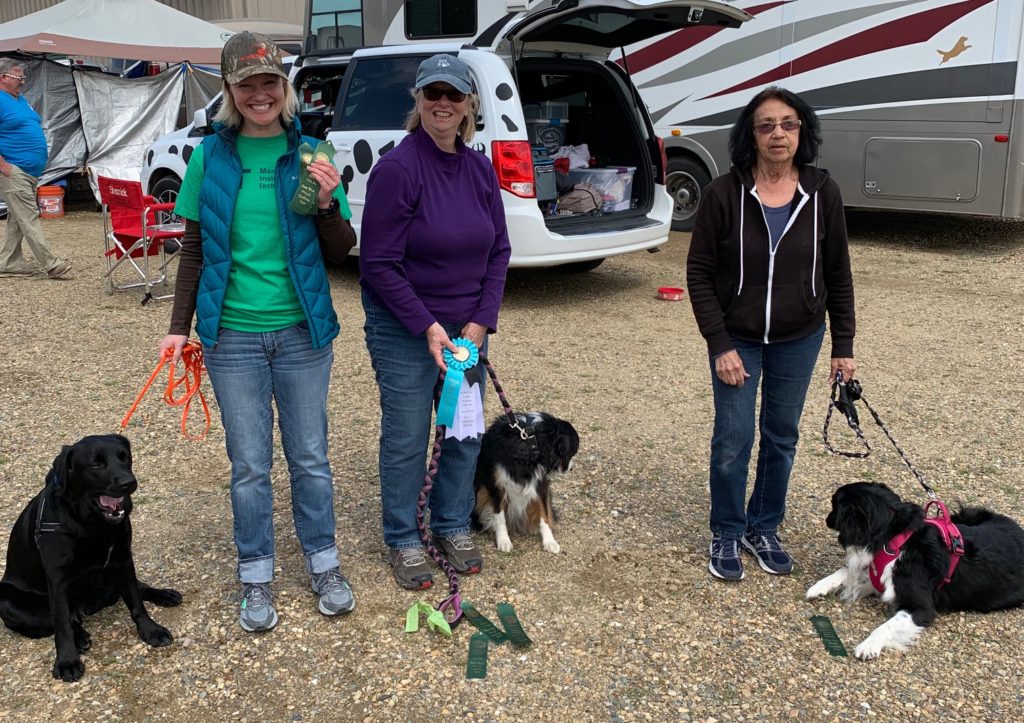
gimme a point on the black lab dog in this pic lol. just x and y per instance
(869, 516)
(513, 476)
(70, 554)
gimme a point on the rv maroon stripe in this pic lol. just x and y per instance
(681, 40)
(905, 31)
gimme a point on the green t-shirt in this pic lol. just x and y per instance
(260, 295)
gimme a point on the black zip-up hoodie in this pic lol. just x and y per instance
(739, 288)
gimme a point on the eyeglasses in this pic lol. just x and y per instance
(434, 94)
(768, 127)
(18, 78)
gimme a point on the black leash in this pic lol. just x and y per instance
(844, 394)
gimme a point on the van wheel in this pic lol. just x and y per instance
(685, 182)
(166, 191)
(579, 267)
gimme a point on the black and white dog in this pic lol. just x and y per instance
(513, 485)
(872, 520)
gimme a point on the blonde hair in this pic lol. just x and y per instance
(467, 128)
(228, 113)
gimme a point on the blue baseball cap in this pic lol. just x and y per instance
(444, 68)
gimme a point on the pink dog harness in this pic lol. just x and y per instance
(891, 550)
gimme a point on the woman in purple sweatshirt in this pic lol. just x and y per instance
(433, 255)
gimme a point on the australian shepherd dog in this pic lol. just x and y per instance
(513, 476)
(910, 572)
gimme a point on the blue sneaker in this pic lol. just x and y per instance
(258, 613)
(725, 562)
(769, 552)
(334, 591)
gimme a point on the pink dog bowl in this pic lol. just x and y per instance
(670, 293)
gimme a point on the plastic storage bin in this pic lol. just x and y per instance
(615, 184)
(546, 122)
(544, 175)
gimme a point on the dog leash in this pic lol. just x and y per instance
(191, 377)
(451, 606)
(844, 394)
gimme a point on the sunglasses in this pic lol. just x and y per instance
(19, 78)
(767, 127)
(434, 94)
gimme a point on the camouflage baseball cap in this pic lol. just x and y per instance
(247, 54)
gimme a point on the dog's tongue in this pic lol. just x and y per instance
(110, 503)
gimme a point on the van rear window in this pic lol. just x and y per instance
(378, 95)
(440, 18)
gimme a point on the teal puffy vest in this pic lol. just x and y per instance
(217, 195)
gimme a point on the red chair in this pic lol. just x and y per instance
(136, 228)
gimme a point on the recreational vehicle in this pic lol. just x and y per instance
(920, 100)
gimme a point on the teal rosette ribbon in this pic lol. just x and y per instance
(465, 357)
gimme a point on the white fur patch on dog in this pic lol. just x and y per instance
(851, 582)
(517, 496)
(896, 633)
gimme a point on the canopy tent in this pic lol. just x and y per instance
(138, 29)
(104, 123)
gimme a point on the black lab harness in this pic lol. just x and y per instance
(844, 394)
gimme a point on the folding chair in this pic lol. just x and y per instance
(132, 233)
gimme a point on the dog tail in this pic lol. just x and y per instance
(972, 516)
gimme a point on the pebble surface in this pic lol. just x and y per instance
(626, 623)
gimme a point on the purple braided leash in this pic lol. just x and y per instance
(451, 606)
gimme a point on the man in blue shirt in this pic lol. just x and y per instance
(23, 156)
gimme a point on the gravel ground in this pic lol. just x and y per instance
(626, 623)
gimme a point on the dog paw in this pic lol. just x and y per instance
(164, 597)
(68, 670)
(869, 649)
(818, 589)
(156, 635)
(504, 543)
(552, 546)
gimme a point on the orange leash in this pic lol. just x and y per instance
(192, 357)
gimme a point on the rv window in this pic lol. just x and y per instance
(440, 18)
(336, 23)
(378, 96)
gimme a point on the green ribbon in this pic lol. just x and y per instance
(305, 199)
(435, 619)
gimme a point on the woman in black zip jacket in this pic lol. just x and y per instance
(767, 260)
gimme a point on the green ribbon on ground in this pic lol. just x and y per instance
(435, 619)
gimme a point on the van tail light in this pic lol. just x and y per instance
(664, 159)
(513, 162)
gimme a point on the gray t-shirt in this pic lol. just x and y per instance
(777, 218)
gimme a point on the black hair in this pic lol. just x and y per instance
(743, 148)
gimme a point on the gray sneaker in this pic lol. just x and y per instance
(335, 592)
(258, 613)
(461, 553)
(411, 568)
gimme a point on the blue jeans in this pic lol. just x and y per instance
(783, 371)
(247, 371)
(406, 377)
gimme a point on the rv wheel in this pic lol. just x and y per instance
(685, 181)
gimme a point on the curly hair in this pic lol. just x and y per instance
(743, 147)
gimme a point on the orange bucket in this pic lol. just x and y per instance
(51, 201)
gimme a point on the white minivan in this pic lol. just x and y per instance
(550, 60)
